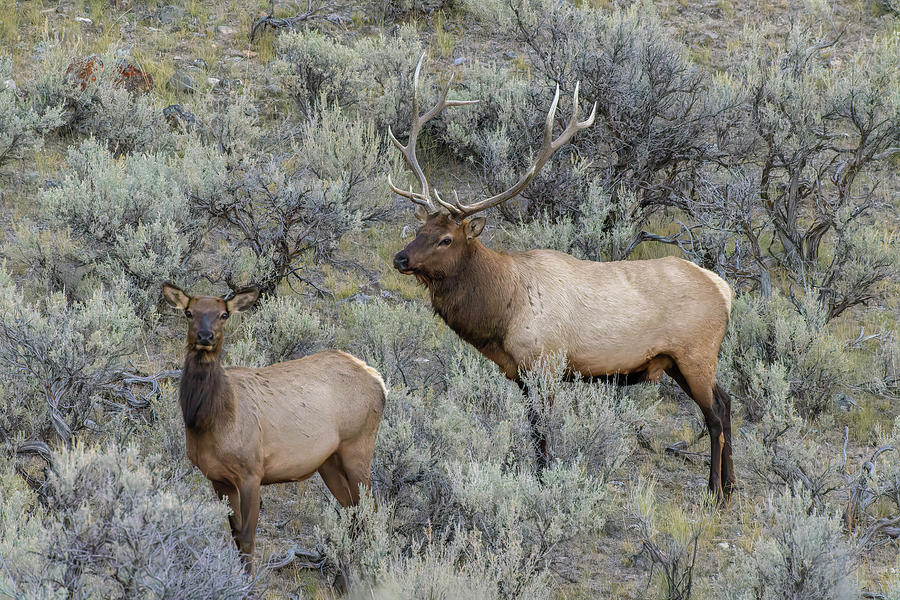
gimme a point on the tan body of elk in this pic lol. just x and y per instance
(247, 427)
(628, 321)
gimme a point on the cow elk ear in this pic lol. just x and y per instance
(421, 213)
(474, 227)
(242, 300)
(174, 296)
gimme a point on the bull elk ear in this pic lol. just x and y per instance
(474, 227)
(242, 300)
(421, 213)
(174, 296)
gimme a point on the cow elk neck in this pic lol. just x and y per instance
(205, 397)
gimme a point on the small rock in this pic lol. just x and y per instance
(225, 30)
(9, 84)
(213, 82)
(181, 82)
(360, 298)
(84, 20)
(843, 401)
(459, 61)
(724, 545)
(200, 64)
(510, 55)
(179, 118)
(169, 14)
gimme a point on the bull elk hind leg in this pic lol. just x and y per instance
(700, 384)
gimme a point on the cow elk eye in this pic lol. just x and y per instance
(445, 242)
(188, 314)
(223, 316)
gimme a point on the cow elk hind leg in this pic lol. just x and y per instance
(332, 472)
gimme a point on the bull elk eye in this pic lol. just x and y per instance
(445, 242)
(188, 314)
(223, 316)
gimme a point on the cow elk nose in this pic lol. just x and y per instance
(205, 337)
(401, 261)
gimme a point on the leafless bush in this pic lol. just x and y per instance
(279, 212)
(806, 174)
(57, 359)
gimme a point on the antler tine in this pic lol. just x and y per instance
(409, 150)
(548, 147)
(417, 198)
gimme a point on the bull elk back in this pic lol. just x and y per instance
(247, 427)
(626, 321)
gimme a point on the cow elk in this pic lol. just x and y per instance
(250, 427)
(623, 321)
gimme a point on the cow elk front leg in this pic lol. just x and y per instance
(223, 491)
(246, 538)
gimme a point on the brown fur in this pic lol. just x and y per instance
(249, 427)
(626, 321)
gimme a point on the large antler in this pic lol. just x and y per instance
(409, 150)
(548, 148)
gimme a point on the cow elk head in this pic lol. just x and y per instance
(207, 315)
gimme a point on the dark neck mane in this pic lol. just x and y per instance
(476, 301)
(204, 394)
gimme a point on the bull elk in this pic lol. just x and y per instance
(250, 427)
(625, 321)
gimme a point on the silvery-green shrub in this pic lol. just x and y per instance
(771, 332)
(22, 127)
(58, 358)
(782, 450)
(117, 525)
(126, 121)
(129, 219)
(405, 342)
(279, 328)
(800, 554)
(371, 77)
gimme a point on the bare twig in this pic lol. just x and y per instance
(288, 23)
(310, 559)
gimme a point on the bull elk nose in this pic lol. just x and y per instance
(401, 261)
